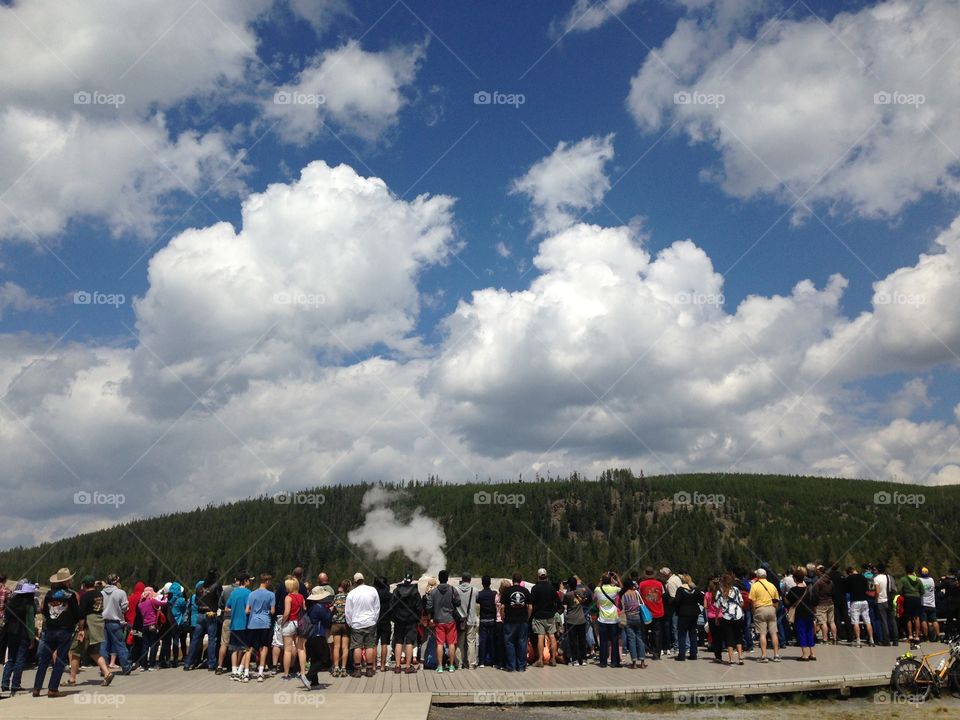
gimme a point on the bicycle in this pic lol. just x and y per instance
(916, 678)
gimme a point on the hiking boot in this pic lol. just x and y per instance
(538, 663)
(369, 672)
(357, 673)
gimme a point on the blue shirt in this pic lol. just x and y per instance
(260, 603)
(237, 602)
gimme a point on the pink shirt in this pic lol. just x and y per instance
(148, 610)
(713, 613)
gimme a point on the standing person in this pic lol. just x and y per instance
(61, 612)
(134, 624)
(517, 610)
(150, 607)
(487, 612)
(950, 587)
(545, 602)
(911, 589)
(443, 605)
(631, 601)
(714, 616)
(608, 619)
(223, 620)
(235, 617)
(91, 609)
(468, 627)
(318, 650)
(651, 590)
(207, 601)
(259, 611)
(800, 597)
(856, 585)
(406, 617)
(385, 620)
(339, 632)
(5, 595)
(729, 601)
(574, 600)
(822, 595)
(114, 611)
(929, 625)
(687, 604)
(18, 634)
(362, 612)
(671, 582)
(499, 633)
(293, 642)
(886, 608)
(869, 573)
(178, 622)
(323, 580)
(765, 597)
(841, 610)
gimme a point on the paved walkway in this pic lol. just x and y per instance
(173, 693)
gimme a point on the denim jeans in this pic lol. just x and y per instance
(878, 628)
(609, 643)
(54, 640)
(748, 630)
(113, 644)
(515, 637)
(205, 626)
(687, 634)
(13, 670)
(635, 644)
(485, 649)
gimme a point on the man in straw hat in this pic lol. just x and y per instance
(61, 613)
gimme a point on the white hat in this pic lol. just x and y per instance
(542, 573)
(761, 573)
(357, 577)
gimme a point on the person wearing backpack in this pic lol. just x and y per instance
(405, 601)
(319, 603)
(207, 600)
(886, 606)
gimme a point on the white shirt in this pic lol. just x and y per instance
(363, 607)
(928, 592)
(787, 583)
(880, 581)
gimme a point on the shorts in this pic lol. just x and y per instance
(912, 606)
(765, 620)
(824, 614)
(928, 614)
(259, 638)
(225, 633)
(546, 626)
(289, 629)
(80, 647)
(363, 638)
(446, 633)
(338, 630)
(277, 634)
(405, 634)
(240, 639)
(383, 633)
(859, 610)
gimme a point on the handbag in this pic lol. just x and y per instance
(645, 613)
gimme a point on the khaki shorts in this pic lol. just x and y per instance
(545, 627)
(225, 634)
(363, 638)
(765, 620)
(824, 614)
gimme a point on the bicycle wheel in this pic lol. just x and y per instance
(954, 678)
(911, 680)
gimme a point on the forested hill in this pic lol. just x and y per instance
(700, 523)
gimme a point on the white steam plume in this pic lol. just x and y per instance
(421, 540)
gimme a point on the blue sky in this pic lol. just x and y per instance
(724, 177)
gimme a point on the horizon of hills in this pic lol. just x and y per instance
(700, 523)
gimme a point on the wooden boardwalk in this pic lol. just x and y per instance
(174, 693)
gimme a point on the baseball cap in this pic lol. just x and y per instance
(761, 573)
(357, 577)
(924, 571)
(542, 573)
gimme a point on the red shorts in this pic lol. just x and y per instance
(446, 633)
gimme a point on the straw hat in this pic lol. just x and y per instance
(63, 574)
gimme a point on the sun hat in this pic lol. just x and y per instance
(319, 593)
(62, 575)
(24, 587)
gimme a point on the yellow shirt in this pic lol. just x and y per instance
(763, 593)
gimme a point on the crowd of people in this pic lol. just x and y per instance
(255, 628)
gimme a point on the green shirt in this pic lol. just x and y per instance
(910, 586)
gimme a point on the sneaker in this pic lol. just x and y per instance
(776, 658)
(304, 681)
(244, 678)
(451, 668)
(260, 677)
(439, 668)
(220, 670)
(764, 660)
(235, 677)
